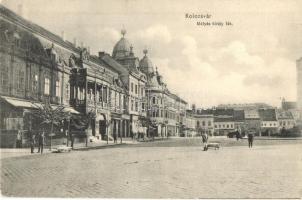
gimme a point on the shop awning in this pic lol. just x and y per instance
(18, 102)
(71, 110)
(21, 103)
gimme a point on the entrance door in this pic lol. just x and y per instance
(102, 127)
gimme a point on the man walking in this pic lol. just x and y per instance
(205, 141)
(41, 142)
(250, 139)
(32, 143)
(19, 139)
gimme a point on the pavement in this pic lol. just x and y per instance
(265, 171)
(19, 152)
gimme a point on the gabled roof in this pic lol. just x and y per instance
(284, 114)
(238, 115)
(267, 114)
(251, 114)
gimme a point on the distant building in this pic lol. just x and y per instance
(285, 119)
(205, 121)
(269, 123)
(252, 120)
(299, 83)
(239, 121)
(223, 121)
(288, 105)
(244, 106)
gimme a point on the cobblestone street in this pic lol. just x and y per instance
(268, 171)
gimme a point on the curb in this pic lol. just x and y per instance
(99, 147)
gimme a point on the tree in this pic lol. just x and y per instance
(50, 116)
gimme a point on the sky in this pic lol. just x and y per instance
(252, 60)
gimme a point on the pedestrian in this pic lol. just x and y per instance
(205, 141)
(115, 137)
(32, 142)
(19, 139)
(41, 139)
(237, 135)
(250, 139)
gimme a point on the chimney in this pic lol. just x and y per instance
(75, 42)
(63, 35)
(101, 54)
(20, 10)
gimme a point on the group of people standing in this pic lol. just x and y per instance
(37, 139)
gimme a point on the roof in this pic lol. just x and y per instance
(239, 115)
(223, 118)
(227, 112)
(5, 12)
(121, 48)
(284, 114)
(205, 112)
(146, 65)
(267, 114)
(251, 114)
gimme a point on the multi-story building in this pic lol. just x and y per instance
(239, 121)
(165, 109)
(269, 123)
(285, 119)
(252, 120)
(205, 121)
(34, 68)
(189, 128)
(223, 121)
(38, 66)
(134, 80)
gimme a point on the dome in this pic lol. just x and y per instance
(122, 47)
(146, 65)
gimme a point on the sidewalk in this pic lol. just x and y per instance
(14, 152)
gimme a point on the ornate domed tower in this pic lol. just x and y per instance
(122, 48)
(145, 64)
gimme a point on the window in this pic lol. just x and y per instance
(161, 113)
(136, 89)
(35, 83)
(131, 87)
(227, 126)
(203, 123)
(153, 100)
(136, 106)
(215, 126)
(105, 94)
(132, 104)
(46, 85)
(231, 125)
(4, 78)
(67, 90)
(20, 79)
(58, 92)
(143, 106)
(209, 123)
